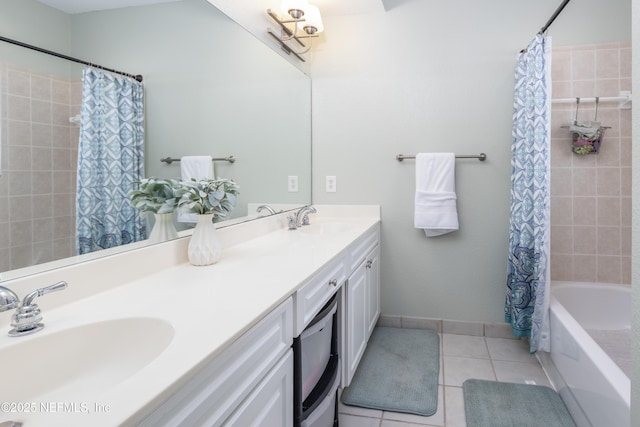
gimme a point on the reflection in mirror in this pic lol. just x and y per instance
(210, 87)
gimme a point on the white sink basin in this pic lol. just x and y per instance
(81, 361)
(326, 228)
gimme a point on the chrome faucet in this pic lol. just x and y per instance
(8, 299)
(267, 207)
(27, 317)
(302, 216)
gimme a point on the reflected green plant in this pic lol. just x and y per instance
(157, 195)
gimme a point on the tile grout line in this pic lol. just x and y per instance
(444, 399)
(493, 367)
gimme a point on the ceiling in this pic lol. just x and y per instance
(328, 7)
(80, 6)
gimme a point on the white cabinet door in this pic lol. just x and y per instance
(362, 309)
(271, 402)
(372, 265)
(356, 324)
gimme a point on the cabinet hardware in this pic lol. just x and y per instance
(333, 282)
(369, 264)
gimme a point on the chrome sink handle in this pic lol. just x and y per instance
(292, 222)
(28, 300)
(8, 300)
(27, 317)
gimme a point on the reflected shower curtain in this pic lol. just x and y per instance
(527, 299)
(110, 160)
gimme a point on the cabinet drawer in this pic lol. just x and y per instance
(271, 403)
(359, 250)
(215, 391)
(311, 297)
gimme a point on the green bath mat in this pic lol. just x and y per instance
(398, 372)
(497, 404)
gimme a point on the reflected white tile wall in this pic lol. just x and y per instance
(39, 157)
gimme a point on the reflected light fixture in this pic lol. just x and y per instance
(300, 20)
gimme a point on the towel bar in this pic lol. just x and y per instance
(230, 159)
(482, 157)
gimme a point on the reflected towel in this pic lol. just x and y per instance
(435, 199)
(198, 167)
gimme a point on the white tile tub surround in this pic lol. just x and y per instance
(591, 194)
(262, 265)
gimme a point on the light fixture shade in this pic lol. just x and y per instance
(288, 5)
(313, 19)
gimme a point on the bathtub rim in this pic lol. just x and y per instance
(615, 376)
(576, 284)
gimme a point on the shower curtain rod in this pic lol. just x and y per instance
(138, 77)
(550, 20)
(554, 16)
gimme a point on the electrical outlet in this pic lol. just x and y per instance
(331, 184)
(292, 185)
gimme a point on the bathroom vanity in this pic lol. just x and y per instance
(145, 338)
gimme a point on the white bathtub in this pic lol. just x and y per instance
(587, 319)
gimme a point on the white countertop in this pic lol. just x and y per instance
(207, 307)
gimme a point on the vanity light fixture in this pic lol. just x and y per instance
(300, 20)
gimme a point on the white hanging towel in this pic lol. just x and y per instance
(435, 201)
(198, 167)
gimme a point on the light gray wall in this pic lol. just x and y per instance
(635, 279)
(211, 88)
(34, 23)
(427, 77)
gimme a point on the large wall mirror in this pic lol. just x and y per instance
(211, 88)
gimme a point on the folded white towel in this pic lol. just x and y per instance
(435, 199)
(198, 167)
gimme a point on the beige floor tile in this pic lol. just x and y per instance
(347, 420)
(461, 327)
(461, 357)
(459, 369)
(517, 372)
(454, 407)
(510, 350)
(498, 330)
(464, 346)
(356, 410)
(391, 423)
(436, 419)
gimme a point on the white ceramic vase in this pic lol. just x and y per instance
(163, 228)
(205, 247)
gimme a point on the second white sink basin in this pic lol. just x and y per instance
(326, 228)
(87, 359)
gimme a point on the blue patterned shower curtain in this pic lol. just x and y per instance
(527, 300)
(110, 160)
